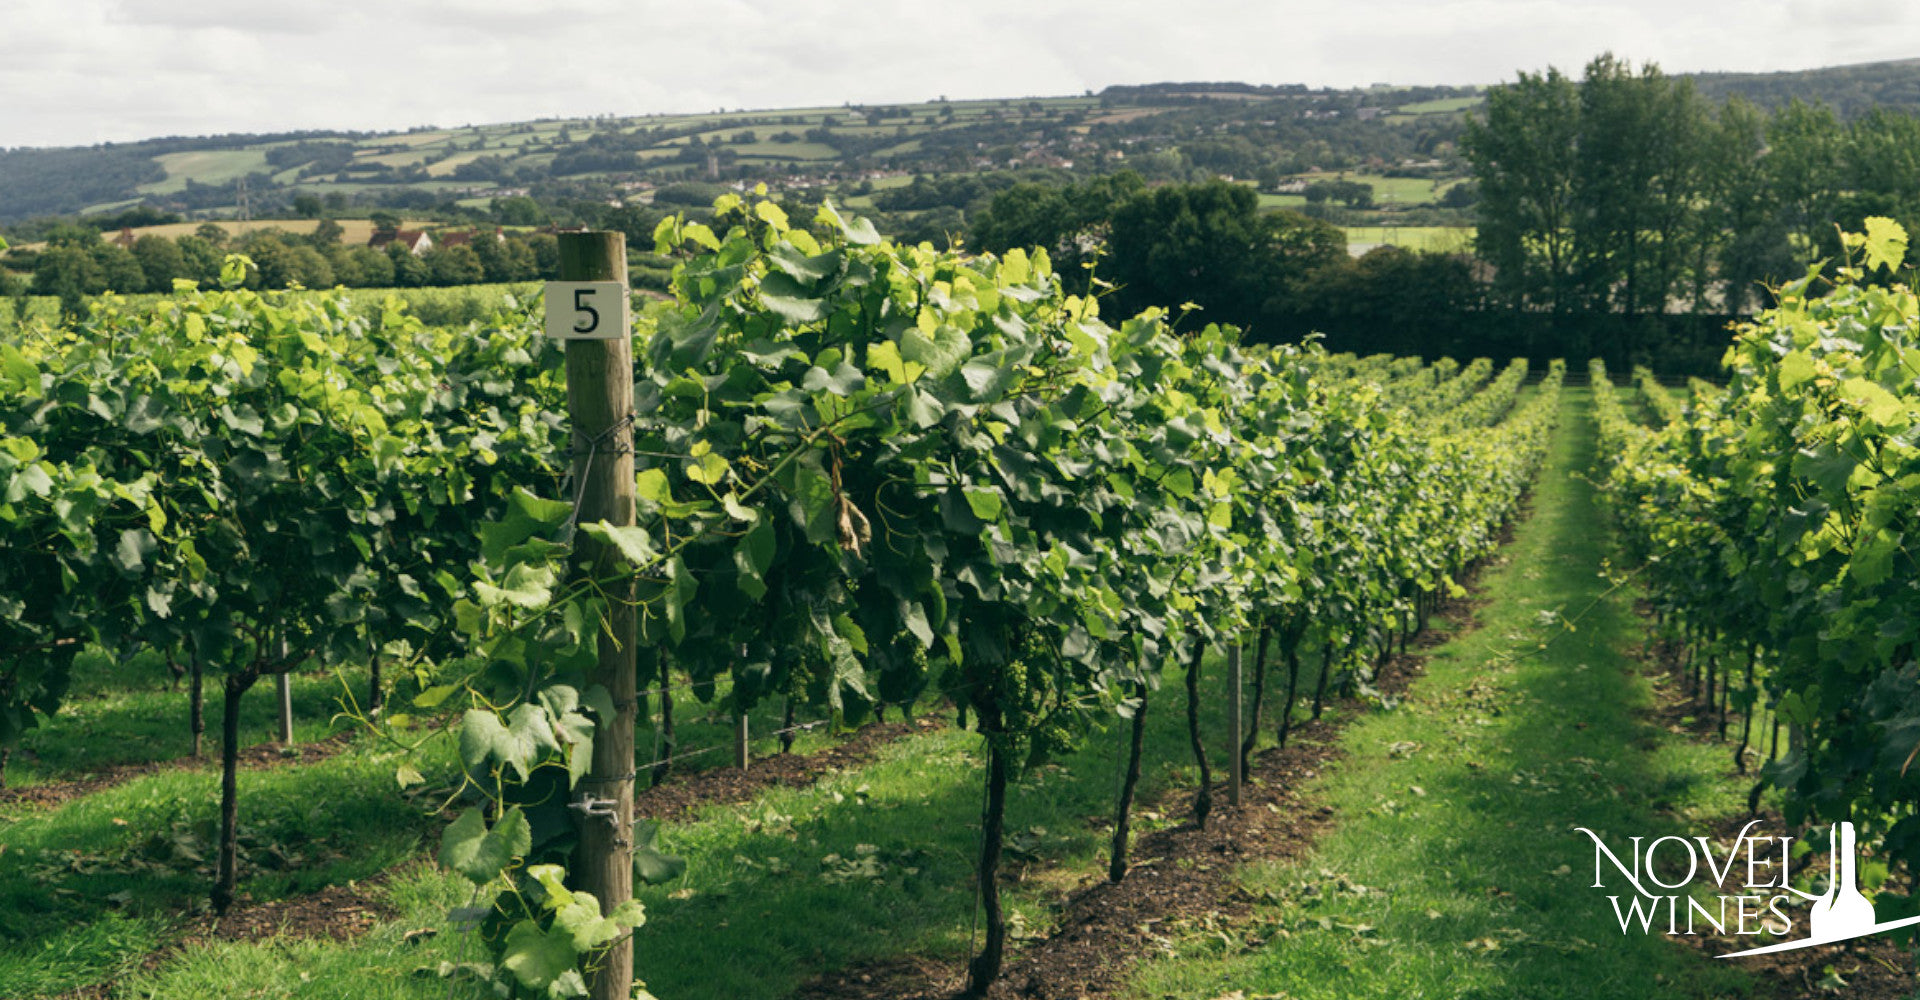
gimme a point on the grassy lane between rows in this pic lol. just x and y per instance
(1454, 868)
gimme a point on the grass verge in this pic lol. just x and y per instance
(1453, 869)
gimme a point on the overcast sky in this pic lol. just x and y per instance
(86, 71)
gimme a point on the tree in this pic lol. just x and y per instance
(1395, 301)
(272, 257)
(213, 233)
(1352, 194)
(454, 266)
(118, 269)
(309, 268)
(307, 205)
(346, 269)
(491, 251)
(1210, 244)
(409, 271)
(518, 210)
(72, 234)
(1804, 147)
(1636, 183)
(546, 255)
(1070, 222)
(1522, 147)
(375, 269)
(327, 234)
(69, 273)
(1741, 239)
(521, 264)
(200, 260)
(1882, 165)
(160, 261)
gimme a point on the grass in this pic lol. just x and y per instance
(1401, 190)
(446, 167)
(1434, 239)
(1453, 869)
(87, 889)
(393, 159)
(872, 862)
(90, 887)
(128, 714)
(767, 148)
(1441, 106)
(212, 166)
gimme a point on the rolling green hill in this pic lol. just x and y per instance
(1224, 128)
(1168, 130)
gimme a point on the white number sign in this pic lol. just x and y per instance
(588, 310)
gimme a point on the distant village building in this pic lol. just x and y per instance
(465, 237)
(416, 241)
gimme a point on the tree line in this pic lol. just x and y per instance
(77, 262)
(1627, 193)
(1621, 215)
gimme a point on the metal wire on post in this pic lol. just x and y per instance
(586, 465)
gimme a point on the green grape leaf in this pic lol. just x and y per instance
(634, 544)
(791, 300)
(985, 503)
(1886, 243)
(542, 959)
(517, 743)
(480, 854)
(1795, 370)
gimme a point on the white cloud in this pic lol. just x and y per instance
(80, 71)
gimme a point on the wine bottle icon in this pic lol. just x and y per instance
(1841, 912)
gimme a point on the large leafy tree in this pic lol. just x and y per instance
(1210, 244)
(1523, 153)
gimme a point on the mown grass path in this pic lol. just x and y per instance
(1453, 868)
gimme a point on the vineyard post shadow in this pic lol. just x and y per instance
(600, 410)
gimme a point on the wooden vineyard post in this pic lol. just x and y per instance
(600, 409)
(283, 685)
(1234, 775)
(740, 738)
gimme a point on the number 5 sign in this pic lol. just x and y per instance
(588, 310)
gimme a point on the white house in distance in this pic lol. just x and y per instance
(416, 241)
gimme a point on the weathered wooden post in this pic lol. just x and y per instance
(1234, 775)
(589, 307)
(283, 684)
